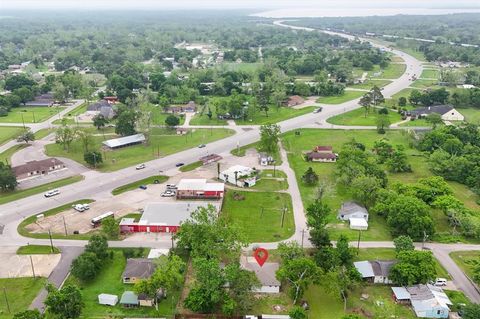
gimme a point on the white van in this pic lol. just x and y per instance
(440, 282)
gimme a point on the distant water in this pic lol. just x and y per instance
(312, 12)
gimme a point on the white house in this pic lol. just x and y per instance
(376, 271)
(239, 175)
(447, 112)
(107, 299)
(265, 274)
(355, 214)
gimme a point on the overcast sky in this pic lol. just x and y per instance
(222, 4)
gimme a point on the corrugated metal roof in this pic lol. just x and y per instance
(117, 142)
(171, 214)
(401, 293)
(364, 268)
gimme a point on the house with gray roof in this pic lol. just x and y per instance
(102, 107)
(137, 269)
(266, 274)
(427, 301)
(447, 112)
(375, 271)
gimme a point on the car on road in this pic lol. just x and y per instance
(81, 207)
(179, 164)
(317, 110)
(201, 146)
(141, 166)
(144, 187)
(51, 193)
(168, 193)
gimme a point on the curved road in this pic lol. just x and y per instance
(98, 185)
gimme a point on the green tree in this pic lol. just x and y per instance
(366, 102)
(172, 121)
(28, 314)
(8, 180)
(298, 312)
(86, 266)
(98, 245)
(317, 214)
(290, 250)
(65, 302)
(383, 122)
(110, 228)
(99, 121)
(60, 93)
(471, 311)
(86, 138)
(402, 101)
(299, 273)
(344, 252)
(64, 136)
(413, 267)
(241, 282)
(383, 150)
(25, 94)
(93, 158)
(403, 243)
(434, 119)
(398, 162)
(310, 178)
(340, 281)
(364, 190)
(269, 136)
(26, 137)
(126, 122)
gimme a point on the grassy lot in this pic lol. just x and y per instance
(146, 181)
(347, 96)
(424, 84)
(270, 173)
(37, 250)
(201, 117)
(162, 142)
(370, 84)
(22, 193)
(357, 117)
(405, 93)
(240, 67)
(430, 73)
(472, 115)
(268, 184)
(31, 114)
(466, 260)
(260, 227)
(20, 293)
(22, 230)
(393, 71)
(109, 281)
(275, 115)
(6, 155)
(8, 133)
(191, 166)
(336, 194)
(82, 108)
(43, 132)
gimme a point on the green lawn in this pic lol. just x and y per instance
(424, 84)
(22, 230)
(109, 281)
(393, 71)
(8, 133)
(162, 142)
(147, 181)
(260, 215)
(191, 166)
(418, 123)
(271, 173)
(240, 67)
(31, 114)
(82, 108)
(43, 132)
(201, 117)
(275, 115)
(430, 73)
(357, 117)
(269, 184)
(6, 155)
(405, 93)
(20, 294)
(37, 250)
(369, 84)
(158, 116)
(472, 115)
(466, 260)
(347, 96)
(22, 193)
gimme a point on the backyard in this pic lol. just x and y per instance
(162, 142)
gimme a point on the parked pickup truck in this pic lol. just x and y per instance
(81, 207)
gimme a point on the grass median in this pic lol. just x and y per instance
(146, 181)
(37, 250)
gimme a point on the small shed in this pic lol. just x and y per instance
(401, 295)
(358, 223)
(129, 299)
(107, 299)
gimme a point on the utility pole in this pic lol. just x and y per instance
(425, 237)
(358, 244)
(283, 214)
(33, 113)
(6, 299)
(33, 269)
(23, 121)
(51, 241)
(65, 225)
(303, 236)
(171, 236)
(261, 214)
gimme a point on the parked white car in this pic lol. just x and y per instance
(440, 282)
(52, 193)
(81, 207)
(168, 193)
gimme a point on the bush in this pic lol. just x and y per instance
(133, 252)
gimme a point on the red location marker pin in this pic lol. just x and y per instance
(261, 256)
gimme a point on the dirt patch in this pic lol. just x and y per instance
(14, 266)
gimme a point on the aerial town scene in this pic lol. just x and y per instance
(286, 159)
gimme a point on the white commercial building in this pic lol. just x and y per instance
(240, 176)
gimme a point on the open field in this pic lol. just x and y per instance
(424, 84)
(162, 142)
(109, 281)
(147, 181)
(347, 96)
(240, 67)
(30, 114)
(18, 194)
(8, 133)
(357, 117)
(269, 184)
(393, 71)
(20, 292)
(259, 214)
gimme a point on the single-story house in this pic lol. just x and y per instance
(129, 299)
(240, 176)
(124, 141)
(323, 149)
(352, 210)
(264, 159)
(321, 153)
(294, 100)
(37, 168)
(190, 107)
(210, 158)
(163, 217)
(199, 189)
(107, 299)
(375, 271)
(137, 269)
(427, 300)
(266, 274)
(101, 107)
(447, 112)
